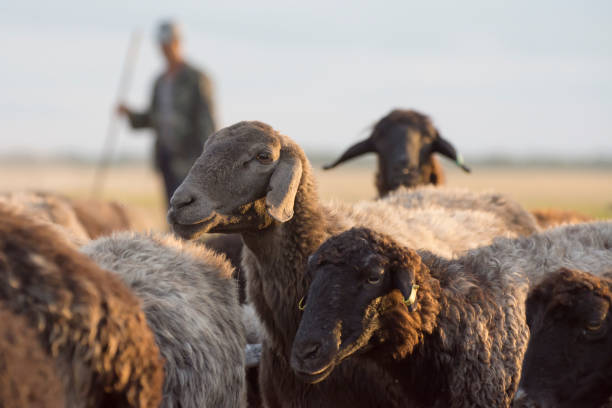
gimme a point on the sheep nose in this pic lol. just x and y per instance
(181, 198)
(310, 351)
(401, 164)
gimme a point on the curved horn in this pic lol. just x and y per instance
(445, 148)
(365, 146)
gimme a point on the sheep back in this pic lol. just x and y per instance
(552, 217)
(190, 301)
(52, 208)
(28, 376)
(100, 218)
(447, 232)
(87, 320)
(514, 215)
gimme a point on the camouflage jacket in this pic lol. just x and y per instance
(192, 119)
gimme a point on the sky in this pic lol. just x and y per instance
(519, 78)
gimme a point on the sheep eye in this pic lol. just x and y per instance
(593, 325)
(264, 158)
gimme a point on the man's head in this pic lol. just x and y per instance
(169, 39)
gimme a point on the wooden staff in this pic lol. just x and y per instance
(112, 130)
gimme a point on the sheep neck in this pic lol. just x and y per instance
(281, 251)
(419, 347)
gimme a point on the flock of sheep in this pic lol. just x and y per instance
(428, 296)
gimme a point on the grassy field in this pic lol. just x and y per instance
(586, 190)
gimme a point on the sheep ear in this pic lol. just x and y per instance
(363, 147)
(445, 148)
(283, 187)
(403, 280)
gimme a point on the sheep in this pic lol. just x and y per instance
(552, 217)
(86, 319)
(252, 180)
(568, 362)
(405, 141)
(230, 245)
(461, 339)
(190, 302)
(28, 377)
(101, 218)
(84, 219)
(457, 341)
(585, 246)
(254, 334)
(517, 218)
(51, 208)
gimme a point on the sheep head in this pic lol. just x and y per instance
(245, 179)
(360, 281)
(405, 142)
(568, 362)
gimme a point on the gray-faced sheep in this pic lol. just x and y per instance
(28, 377)
(450, 339)
(569, 358)
(405, 142)
(190, 302)
(86, 319)
(252, 180)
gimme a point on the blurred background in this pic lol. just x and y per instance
(523, 89)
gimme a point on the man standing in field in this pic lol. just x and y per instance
(181, 111)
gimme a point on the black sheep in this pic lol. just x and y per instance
(405, 142)
(449, 339)
(569, 358)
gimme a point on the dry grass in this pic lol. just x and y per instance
(584, 190)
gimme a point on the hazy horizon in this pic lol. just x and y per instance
(513, 79)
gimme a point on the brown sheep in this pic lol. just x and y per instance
(84, 219)
(101, 218)
(404, 141)
(52, 208)
(569, 358)
(551, 217)
(28, 376)
(87, 320)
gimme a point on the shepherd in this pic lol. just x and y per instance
(181, 112)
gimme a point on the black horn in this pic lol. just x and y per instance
(445, 148)
(365, 146)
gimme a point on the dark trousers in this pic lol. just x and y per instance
(171, 179)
